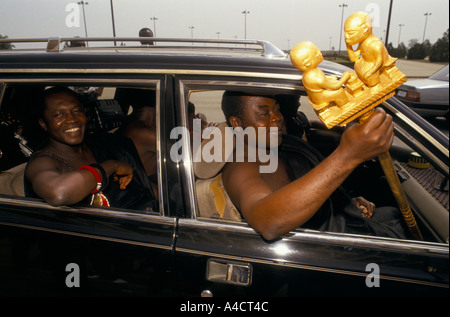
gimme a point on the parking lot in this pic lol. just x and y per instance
(412, 69)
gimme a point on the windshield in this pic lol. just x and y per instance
(441, 74)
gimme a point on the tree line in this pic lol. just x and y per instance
(437, 52)
(5, 46)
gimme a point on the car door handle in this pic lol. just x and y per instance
(229, 272)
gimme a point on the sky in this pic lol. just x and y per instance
(282, 22)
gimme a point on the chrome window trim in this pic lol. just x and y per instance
(187, 160)
(185, 88)
(328, 238)
(2, 91)
(423, 149)
(153, 71)
(412, 124)
(109, 212)
(156, 82)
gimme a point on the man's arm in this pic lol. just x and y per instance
(68, 188)
(274, 213)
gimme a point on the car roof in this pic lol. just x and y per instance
(251, 56)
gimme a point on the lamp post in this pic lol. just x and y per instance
(388, 27)
(82, 3)
(154, 19)
(245, 12)
(425, 28)
(192, 32)
(399, 32)
(112, 19)
(343, 6)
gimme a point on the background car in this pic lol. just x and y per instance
(429, 96)
(173, 250)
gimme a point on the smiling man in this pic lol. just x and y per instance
(70, 168)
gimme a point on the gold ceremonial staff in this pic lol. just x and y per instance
(375, 79)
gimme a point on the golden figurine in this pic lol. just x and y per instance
(322, 90)
(371, 57)
(337, 102)
(355, 94)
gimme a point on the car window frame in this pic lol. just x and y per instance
(188, 83)
(106, 82)
(192, 83)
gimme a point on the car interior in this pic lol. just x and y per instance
(107, 108)
(429, 204)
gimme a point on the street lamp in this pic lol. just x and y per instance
(343, 6)
(192, 32)
(112, 18)
(154, 19)
(82, 3)
(399, 32)
(424, 29)
(245, 12)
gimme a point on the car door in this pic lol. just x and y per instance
(85, 250)
(220, 259)
(67, 251)
(228, 258)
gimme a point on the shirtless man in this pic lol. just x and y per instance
(273, 204)
(59, 172)
(371, 55)
(141, 129)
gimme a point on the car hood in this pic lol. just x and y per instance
(426, 83)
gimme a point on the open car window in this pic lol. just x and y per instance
(111, 111)
(368, 180)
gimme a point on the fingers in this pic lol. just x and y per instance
(378, 119)
(125, 181)
(385, 131)
(379, 129)
(124, 177)
(367, 208)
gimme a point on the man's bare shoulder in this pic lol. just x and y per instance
(241, 167)
(235, 174)
(42, 163)
(137, 128)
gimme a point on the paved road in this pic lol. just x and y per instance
(412, 69)
(416, 69)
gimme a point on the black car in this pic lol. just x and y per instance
(172, 250)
